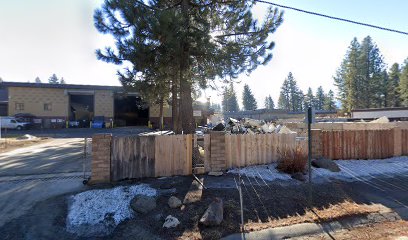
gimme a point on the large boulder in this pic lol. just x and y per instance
(326, 164)
(143, 204)
(171, 222)
(174, 202)
(214, 214)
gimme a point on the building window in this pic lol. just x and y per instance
(19, 106)
(47, 107)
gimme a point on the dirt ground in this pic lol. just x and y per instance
(385, 231)
(9, 144)
(265, 205)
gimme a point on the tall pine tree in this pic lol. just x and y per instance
(53, 79)
(403, 86)
(329, 103)
(360, 77)
(309, 99)
(393, 97)
(198, 41)
(291, 97)
(269, 104)
(229, 99)
(248, 99)
(320, 98)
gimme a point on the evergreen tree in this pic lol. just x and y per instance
(194, 41)
(372, 68)
(62, 81)
(291, 97)
(329, 103)
(269, 104)
(229, 100)
(37, 80)
(309, 99)
(403, 86)
(360, 77)
(393, 96)
(248, 99)
(53, 79)
(320, 98)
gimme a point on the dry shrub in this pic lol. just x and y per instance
(292, 160)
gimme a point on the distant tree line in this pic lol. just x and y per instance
(53, 79)
(364, 82)
(292, 98)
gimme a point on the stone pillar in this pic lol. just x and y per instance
(317, 150)
(397, 142)
(217, 150)
(101, 158)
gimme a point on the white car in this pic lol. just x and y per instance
(13, 123)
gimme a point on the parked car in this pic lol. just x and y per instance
(13, 123)
(98, 122)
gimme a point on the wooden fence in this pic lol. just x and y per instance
(150, 156)
(404, 142)
(358, 144)
(248, 149)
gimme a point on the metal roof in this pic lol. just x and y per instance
(61, 86)
(379, 109)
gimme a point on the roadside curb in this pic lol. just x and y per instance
(43, 177)
(305, 229)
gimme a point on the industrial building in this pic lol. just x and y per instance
(55, 105)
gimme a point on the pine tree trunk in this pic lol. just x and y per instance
(186, 101)
(175, 107)
(161, 114)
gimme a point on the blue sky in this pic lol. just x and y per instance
(42, 37)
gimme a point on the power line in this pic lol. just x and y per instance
(334, 18)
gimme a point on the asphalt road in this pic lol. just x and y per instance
(32, 174)
(54, 156)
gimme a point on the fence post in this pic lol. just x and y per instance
(101, 158)
(217, 149)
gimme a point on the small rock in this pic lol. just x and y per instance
(216, 174)
(326, 163)
(299, 176)
(214, 214)
(171, 222)
(143, 204)
(174, 202)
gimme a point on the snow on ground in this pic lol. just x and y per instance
(351, 170)
(96, 207)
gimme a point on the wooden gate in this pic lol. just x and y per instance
(150, 156)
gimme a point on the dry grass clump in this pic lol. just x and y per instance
(292, 160)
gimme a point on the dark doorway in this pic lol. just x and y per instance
(81, 107)
(130, 111)
(3, 109)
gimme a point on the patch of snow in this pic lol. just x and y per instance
(96, 207)
(351, 170)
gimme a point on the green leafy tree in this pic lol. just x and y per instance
(248, 99)
(37, 80)
(196, 42)
(329, 103)
(269, 103)
(403, 86)
(53, 79)
(393, 96)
